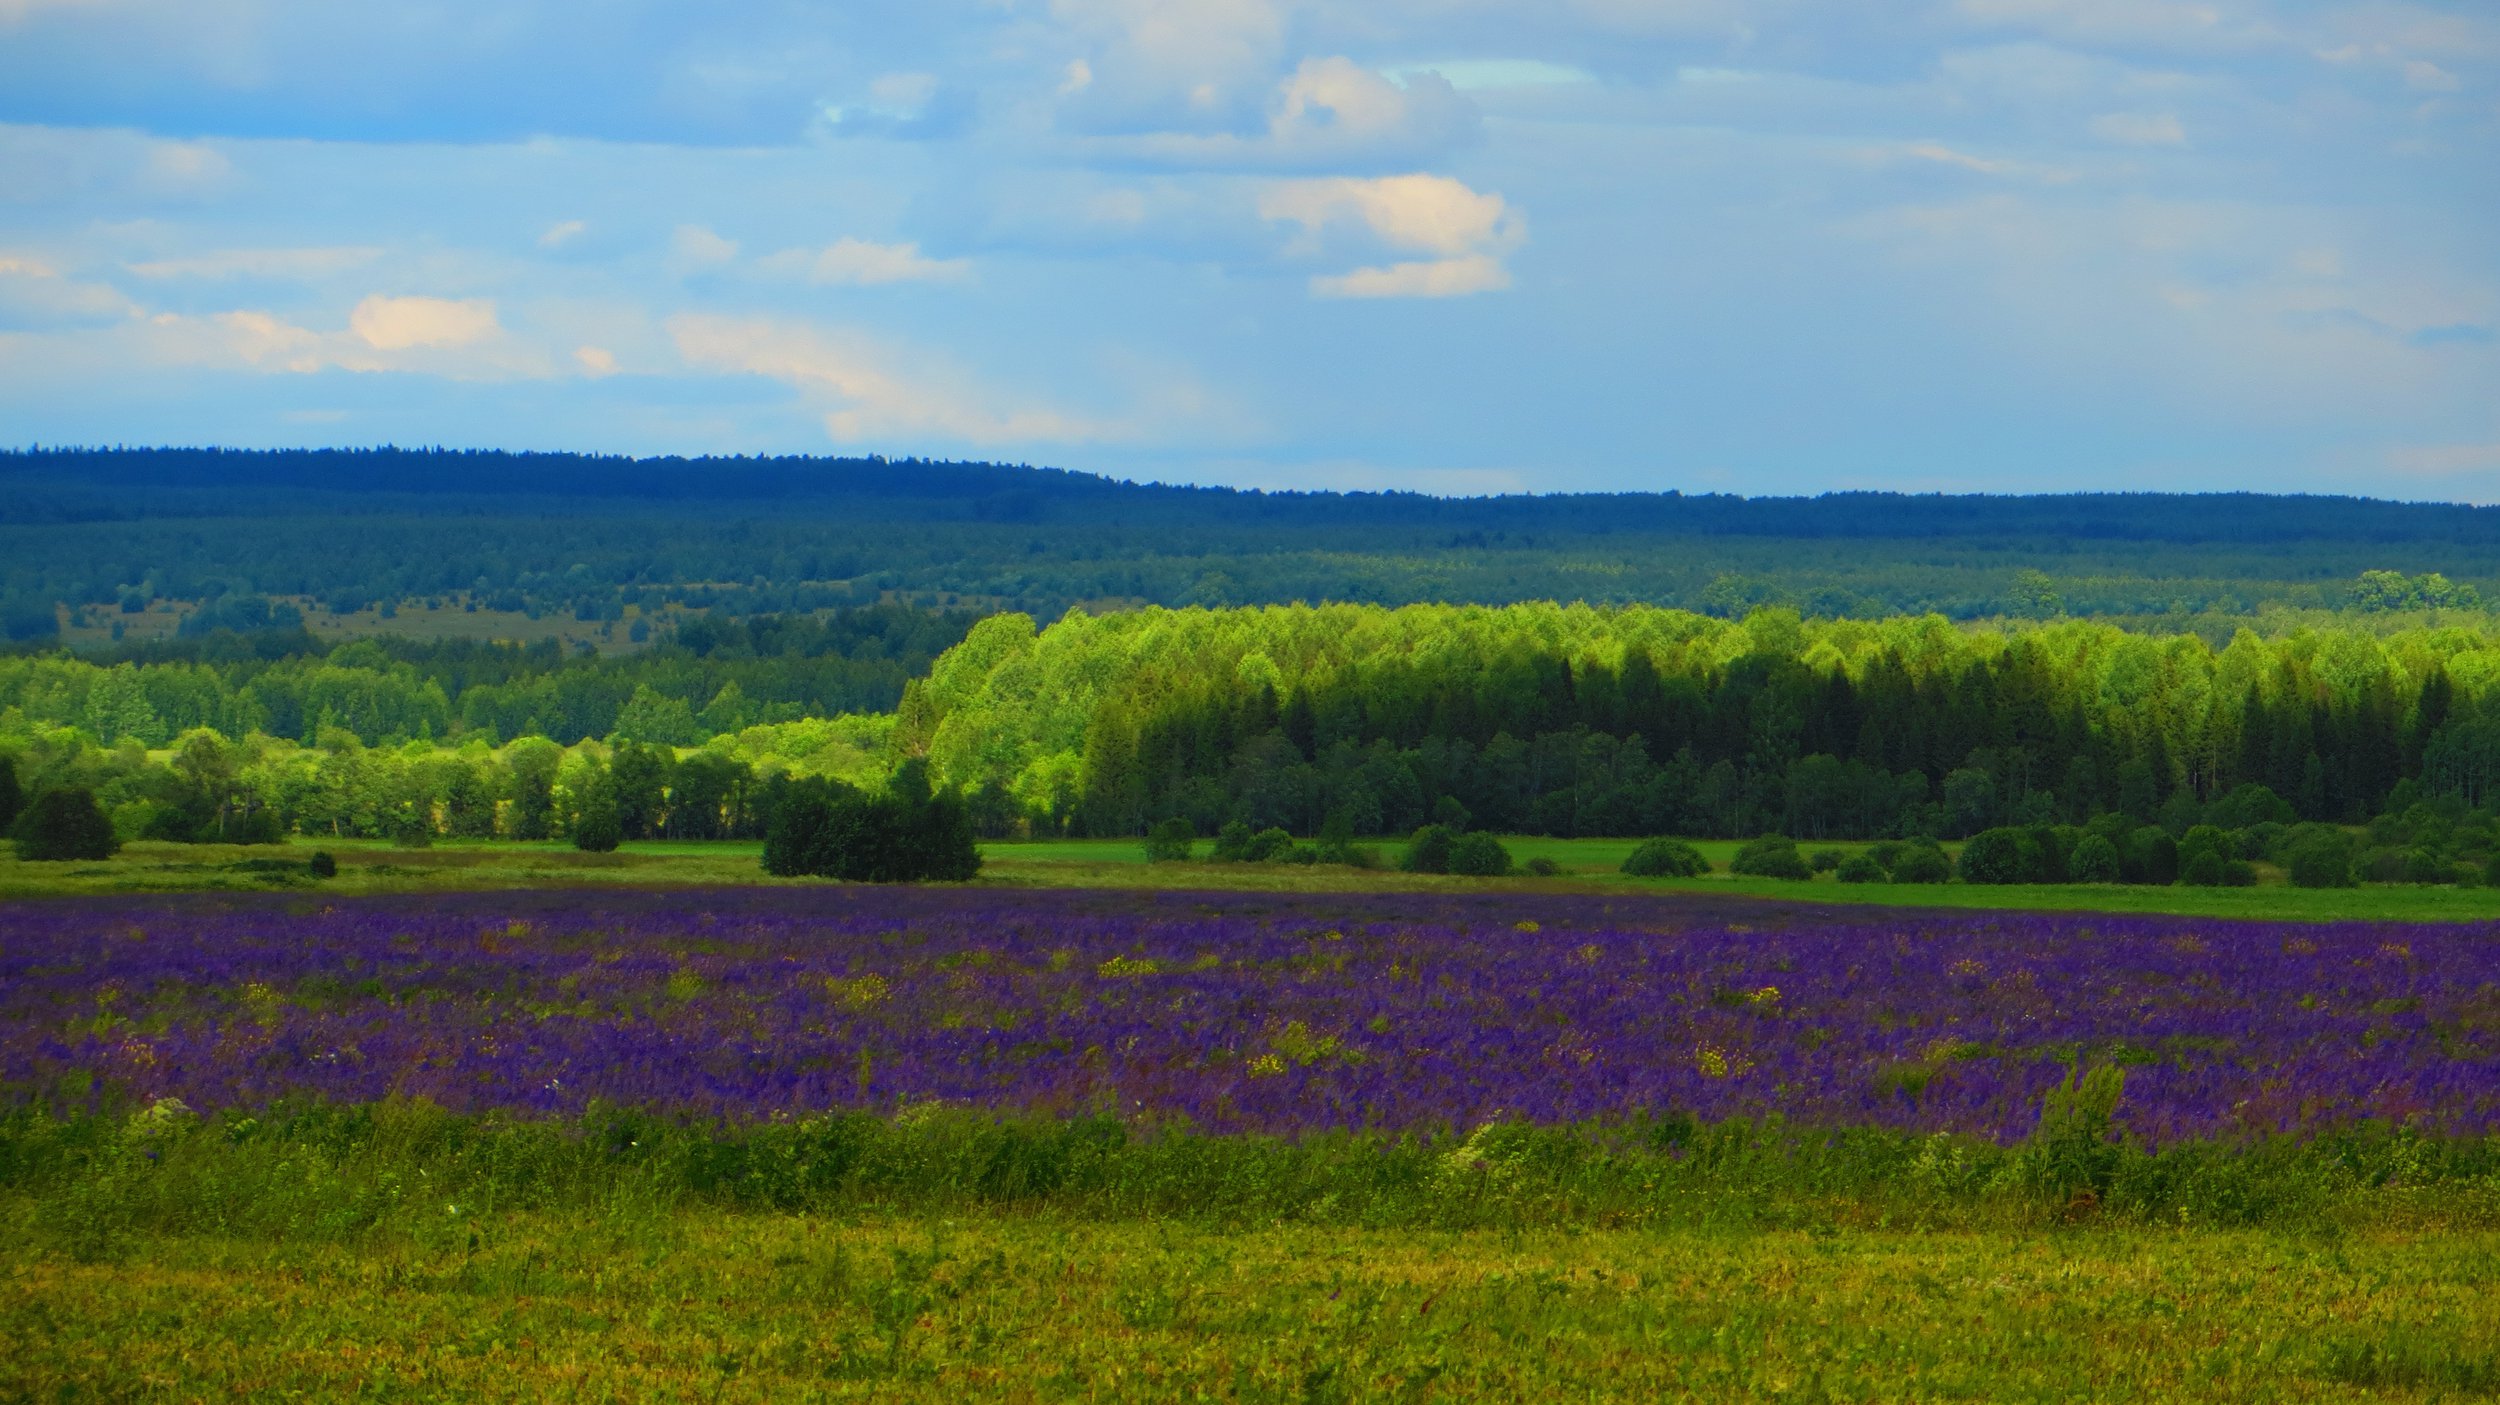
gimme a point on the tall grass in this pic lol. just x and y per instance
(89, 1185)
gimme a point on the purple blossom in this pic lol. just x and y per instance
(1237, 1012)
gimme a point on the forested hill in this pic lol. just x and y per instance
(133, 483)
(101, 545)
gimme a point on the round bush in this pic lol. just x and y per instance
(63, 825)
(1771, 856)
(1543, 867)
(2000, 856)
(1232, 842)
(2203, 870)
(1429, 850)
(1922, 863)
(2322, 860)
(1860, 868)
(2427, 866)
(1270, 845)
(2095, 860)
(1824, 860)
(1479, 855)
(322, 865)
(1665, 858)
(2151, 857)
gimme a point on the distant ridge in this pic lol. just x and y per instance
(46, 485)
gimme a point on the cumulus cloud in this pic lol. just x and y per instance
(561, 233)
(863, 263)
(595, 361)
(1464, 231)
(866, 395)
(1423, 213)
(398, 324)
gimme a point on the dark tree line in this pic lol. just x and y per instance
(1538, 744)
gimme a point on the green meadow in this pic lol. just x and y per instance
(373, 866)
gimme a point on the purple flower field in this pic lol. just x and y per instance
(1228, 1012)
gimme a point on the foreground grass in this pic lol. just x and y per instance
(1588, 865)
(697, 1306)
(399, 1252)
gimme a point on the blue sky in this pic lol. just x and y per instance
(1449, 245)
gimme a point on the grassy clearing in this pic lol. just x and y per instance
(1589, 865)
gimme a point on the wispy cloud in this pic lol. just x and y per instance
(287, 264)
(864, 263)
(865, 393)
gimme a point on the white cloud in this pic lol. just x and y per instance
(1430, 278)
(35, 294)
(692, 247)
(1943, 155)
(862, 263)
(867, 396)
(1418, 213)
(425, 336)
(265, 341)
(595, 361)
(2423, 76)
(399, 324)
(2140, 129)
(562, 233)
(286, 264)
(1464, 231)
(184, 168)
(905, 92)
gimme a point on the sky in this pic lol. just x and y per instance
(1452, 246)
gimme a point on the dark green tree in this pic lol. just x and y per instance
(598, 829)
(1170, 841)
(65, 824)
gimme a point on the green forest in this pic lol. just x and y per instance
(93, 541)
(1345, 719)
